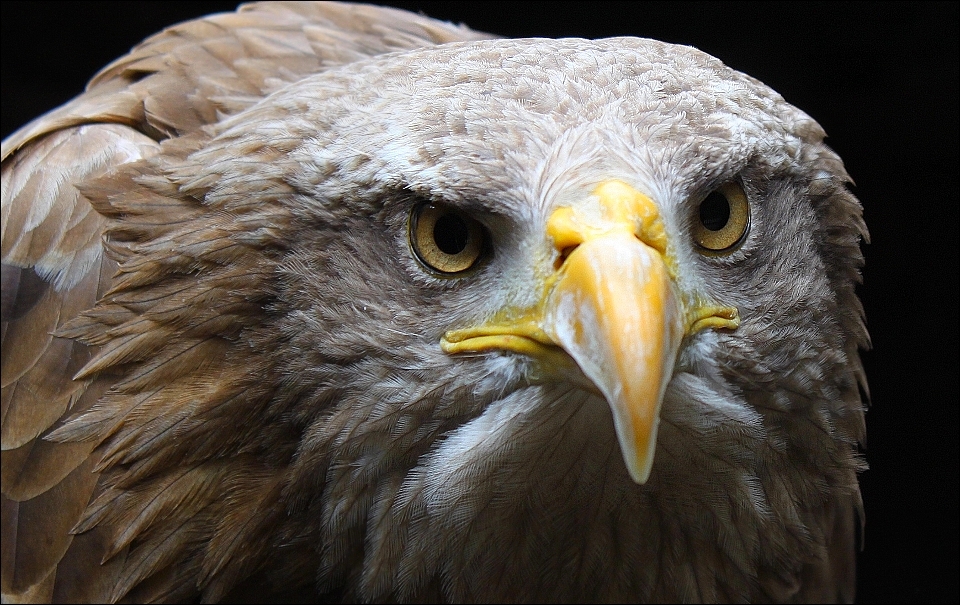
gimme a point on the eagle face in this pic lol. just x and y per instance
(552, 320)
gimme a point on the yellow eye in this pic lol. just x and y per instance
(722, 220)
(445, 240)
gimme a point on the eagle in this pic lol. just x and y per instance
(335, 302)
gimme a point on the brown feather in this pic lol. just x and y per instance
(27, 338)
(41, 387)
(43, 526)
(81, 576)
(248, 519)
(38, 465)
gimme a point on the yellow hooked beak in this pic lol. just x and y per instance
(613, 306)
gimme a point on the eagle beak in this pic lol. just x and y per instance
(613, 306)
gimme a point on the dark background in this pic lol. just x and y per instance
(882, 80)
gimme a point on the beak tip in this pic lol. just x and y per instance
(639, 470)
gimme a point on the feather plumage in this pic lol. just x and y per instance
(241, 391)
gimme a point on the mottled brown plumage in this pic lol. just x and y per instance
(229, 373)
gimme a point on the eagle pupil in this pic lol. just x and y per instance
(450, 234)
(715, 212)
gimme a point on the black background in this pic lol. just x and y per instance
(882, 80)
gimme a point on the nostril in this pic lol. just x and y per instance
(562, 258)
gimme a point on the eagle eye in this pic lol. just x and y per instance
(444, 239)
(722, 220)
